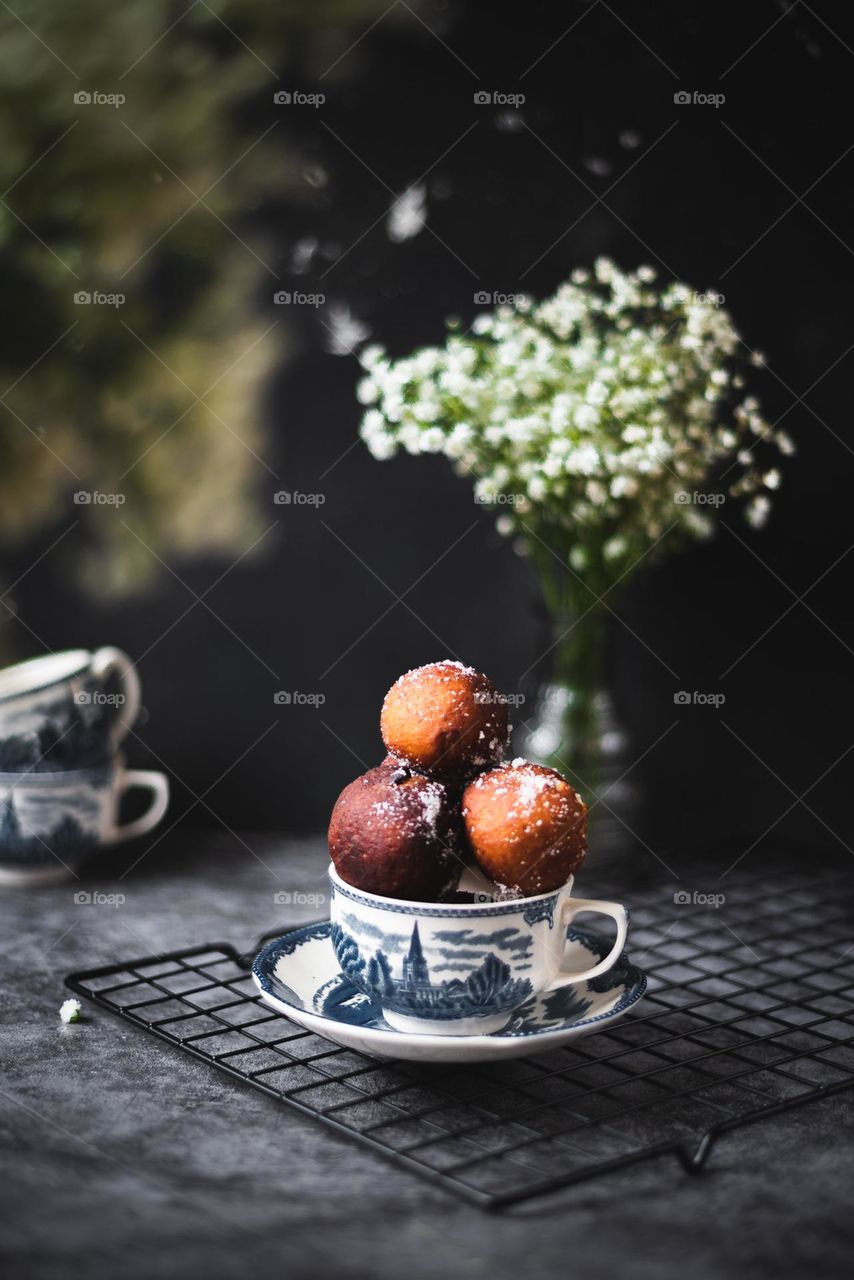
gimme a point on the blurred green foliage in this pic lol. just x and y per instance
(97, 197)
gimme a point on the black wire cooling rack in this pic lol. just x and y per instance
(749, 1012)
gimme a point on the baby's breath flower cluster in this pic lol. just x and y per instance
(596, 421)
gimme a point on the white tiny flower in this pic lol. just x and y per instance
(411, 437)
(407, 215)
(758, 511)
(382, 447)
(615, 547)
(771, 479)
(624, 487)
(345, 331)
(583, 461)
(371, 356)
(586, 417)
(459, 440)
(367, 391)
(69, 1011)
(432, 440)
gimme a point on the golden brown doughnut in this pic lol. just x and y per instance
(445, 719)
(526, 826)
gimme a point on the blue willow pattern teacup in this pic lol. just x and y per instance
(49, 822)
(458, 968)
(66, 710)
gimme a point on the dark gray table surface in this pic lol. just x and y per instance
(121, 1156)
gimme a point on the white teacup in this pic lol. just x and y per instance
(459, 968)
(66, 710)
(49, 822)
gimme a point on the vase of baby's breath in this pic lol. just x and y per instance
(604, 426)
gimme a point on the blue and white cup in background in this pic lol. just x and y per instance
(67, 710)
(50, 822)
(459, 968)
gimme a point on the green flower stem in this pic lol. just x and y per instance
(577, 663)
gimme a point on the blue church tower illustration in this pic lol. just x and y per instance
(415, 970)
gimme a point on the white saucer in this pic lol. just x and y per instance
(298, 974)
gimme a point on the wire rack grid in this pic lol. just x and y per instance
(749, 1012)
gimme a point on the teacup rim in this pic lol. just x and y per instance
(462, 908)
(82, 659)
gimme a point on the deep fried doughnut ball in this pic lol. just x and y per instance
(395, 833)
(526, 826)
(446, 720)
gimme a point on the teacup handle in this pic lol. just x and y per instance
(571, 908)
(158, 785)
(104, 663)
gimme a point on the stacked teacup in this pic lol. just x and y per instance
(62, 779)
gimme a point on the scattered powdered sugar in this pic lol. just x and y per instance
(412, 808)
(437, 668)
(431, 805)
(530, 786)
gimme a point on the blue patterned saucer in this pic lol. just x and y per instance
(298, 974)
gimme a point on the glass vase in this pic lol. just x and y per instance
(569, 721)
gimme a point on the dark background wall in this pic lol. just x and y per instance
(398, 566)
